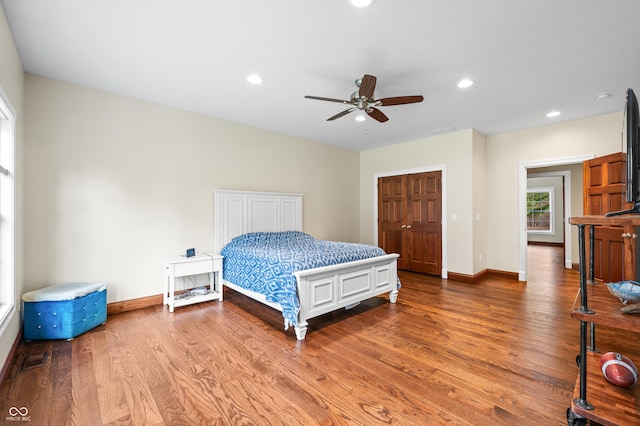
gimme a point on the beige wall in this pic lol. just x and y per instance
(453, 151)
(482, 178)
(11, 83)
(116, 184)
(594, 136)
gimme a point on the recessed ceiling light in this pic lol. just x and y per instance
(360, 118)
(254, 79)
(553, 114)
(361, 3)
(603, 95)
(464, 83)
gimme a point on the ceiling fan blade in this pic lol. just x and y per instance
(318, 98)
(367, 86)
(400, 100)
(376, 114)
(341, 114)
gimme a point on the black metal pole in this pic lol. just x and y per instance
(583, 269)
(581, 401)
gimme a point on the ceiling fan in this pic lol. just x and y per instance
(362, 99)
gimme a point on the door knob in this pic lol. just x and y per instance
(408, 226)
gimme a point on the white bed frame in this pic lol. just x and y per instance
(320, 290)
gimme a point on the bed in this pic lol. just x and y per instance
(243, 218)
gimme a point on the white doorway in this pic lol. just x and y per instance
(522, 207)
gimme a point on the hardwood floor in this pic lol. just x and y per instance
(488, 353)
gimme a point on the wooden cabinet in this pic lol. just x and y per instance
(594, 398)
(604, 192)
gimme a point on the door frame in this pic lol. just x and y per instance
(441, 168)
(522, 208)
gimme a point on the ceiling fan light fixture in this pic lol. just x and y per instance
(360, 117)
(361, 3)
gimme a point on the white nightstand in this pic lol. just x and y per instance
(182, 266)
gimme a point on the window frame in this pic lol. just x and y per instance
(551, 230)
(8, 285)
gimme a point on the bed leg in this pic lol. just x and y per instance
(393, 296)
(301, 330)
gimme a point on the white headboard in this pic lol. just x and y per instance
(239, 212)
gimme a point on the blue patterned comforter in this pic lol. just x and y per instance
(265, 262)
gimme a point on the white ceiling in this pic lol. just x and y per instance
(527, 57)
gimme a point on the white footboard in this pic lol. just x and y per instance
(326, 289)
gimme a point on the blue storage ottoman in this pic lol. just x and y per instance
(64, 311)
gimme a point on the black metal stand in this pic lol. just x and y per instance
(584, 308)
(591, 280)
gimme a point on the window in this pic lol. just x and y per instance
(7, 211)
(540, 210)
